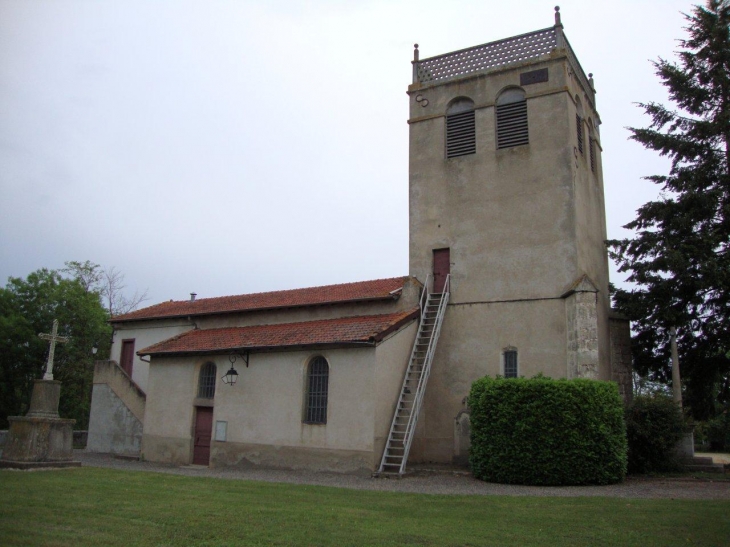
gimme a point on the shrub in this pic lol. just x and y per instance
(547, 432)
(700, 436)
(654, 426)
(718, 432)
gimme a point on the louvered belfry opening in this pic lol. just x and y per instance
(579, 129)
(317, 386)
(592, 151)
(512, 129)
(460, 128)
(579, 122)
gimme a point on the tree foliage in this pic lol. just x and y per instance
(654, 426)
(109, 283)
(678, 260)
(78, 297)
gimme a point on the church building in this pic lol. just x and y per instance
(508, 275)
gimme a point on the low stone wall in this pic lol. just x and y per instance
(79, 440)
(246, 455)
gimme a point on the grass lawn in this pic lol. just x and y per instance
(97, 507)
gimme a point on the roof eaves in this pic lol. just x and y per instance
(260, 349)
(396, 326)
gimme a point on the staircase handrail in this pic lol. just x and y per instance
(424, 295)
(420, 390)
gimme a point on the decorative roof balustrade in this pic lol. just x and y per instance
(486, 56)
(500, 53)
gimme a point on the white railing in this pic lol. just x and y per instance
(421, 389)
(424, 295)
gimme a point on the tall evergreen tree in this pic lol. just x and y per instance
(679, 257)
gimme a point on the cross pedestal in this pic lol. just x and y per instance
(41, 438)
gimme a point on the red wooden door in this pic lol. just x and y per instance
(127, 357)
(203, 433)
(441, 268)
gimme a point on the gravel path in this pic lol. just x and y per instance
(429, 482)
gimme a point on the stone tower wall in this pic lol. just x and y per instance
(523, 226)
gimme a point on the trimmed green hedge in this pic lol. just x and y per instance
(547, 432)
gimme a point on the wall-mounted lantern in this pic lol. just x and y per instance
(231, 376)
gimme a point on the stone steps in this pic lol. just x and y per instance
(702, 464)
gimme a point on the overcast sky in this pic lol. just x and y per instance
(226, 147)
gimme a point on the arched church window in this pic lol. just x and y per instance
(460, 128)
(206, 381)
(579, 123)
(512, 119)
(317, 386)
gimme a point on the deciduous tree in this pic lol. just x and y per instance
(82, 297)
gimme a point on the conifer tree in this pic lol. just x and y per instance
(679, 258)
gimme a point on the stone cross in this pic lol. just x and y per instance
(52, 338)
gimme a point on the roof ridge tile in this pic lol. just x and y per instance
(376, 289)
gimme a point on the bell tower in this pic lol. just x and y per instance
(506, 197)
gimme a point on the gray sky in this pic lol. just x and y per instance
(226, 147)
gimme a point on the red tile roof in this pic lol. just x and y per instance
(379, 289)
(344, 331)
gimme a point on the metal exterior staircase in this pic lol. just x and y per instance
(395, 454)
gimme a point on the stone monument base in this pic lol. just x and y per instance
(40, 439)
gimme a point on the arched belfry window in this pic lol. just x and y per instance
(512, 119)
(318, 374)
(460, 128)
(206, 381)
(579, 123)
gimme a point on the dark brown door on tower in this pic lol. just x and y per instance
(441, 268)
(203, 433)
(127, 357)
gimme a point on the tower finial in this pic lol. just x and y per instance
(415, 52)
(557, 17)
